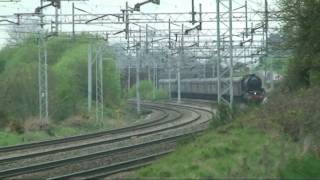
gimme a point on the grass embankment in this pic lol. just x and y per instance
(67, 91)
(72, 126)
(276, 140)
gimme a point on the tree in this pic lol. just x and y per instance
(67, 78)
(301, 31)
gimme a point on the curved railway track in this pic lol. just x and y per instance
(124, 149)
(54, 142)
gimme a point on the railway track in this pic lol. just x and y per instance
(102, 134)
(141, 144)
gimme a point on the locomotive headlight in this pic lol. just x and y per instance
(255, 93)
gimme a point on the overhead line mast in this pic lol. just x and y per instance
(206, 47)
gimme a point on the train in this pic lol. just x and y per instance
(247, 88)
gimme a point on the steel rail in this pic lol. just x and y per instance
(52, 164)
(79, 137)
(109, 141)
(105, 171)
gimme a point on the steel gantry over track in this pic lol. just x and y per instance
(173, 43)
(225, 55)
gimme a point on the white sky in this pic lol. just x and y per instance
(113, 6)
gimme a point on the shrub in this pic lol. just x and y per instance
(223, 116)
(306, 167)
(16, 127)
(147, 90)
(4, 119)
(297, 75)
(294, 114)
(67, 76)
(77, 121)
(36, 124)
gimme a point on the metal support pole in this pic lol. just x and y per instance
(218, 52)
(154, 81)
(205, 70)
(147, 51)
(214, 67)
(57, 20)
(89, 78)
(267, 41)
(246, 16)
(43, 80)
(200, 17)
(193, 21)
(129, 75)
(41, 15)
(73, 23)
(138, 60)
(170, 46)
(169, 69)
(127, 20)
(169, 61)
(179, 64)
(227, 89)
(129, 63)
(99, 85)
(231, 52)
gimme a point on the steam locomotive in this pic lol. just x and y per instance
(247, 88)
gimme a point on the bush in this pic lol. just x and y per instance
(16, 127)
(306, 167)
(77, 121)
(301, 36)
(4, 119)
(294, 114)
(67, 79)
(297, 75)
(223, 116)
(147, 90)
(35, 124)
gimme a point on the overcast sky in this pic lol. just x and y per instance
(114, 6)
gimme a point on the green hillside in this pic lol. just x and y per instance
(67, 84)
(276, 140)
(279, 139)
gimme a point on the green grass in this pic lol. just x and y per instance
(241, 152)
(7, 139)
(306, 167)
(61, 130)
(66, 131)
(264, 141)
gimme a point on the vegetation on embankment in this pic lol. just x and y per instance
(280, 139)
(277, 140)
(72, 126)
(301, 28)
(67, 84)
(148, 91)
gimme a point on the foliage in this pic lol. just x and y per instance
(223, 116)
(235, 153)
(306, 167)
(301, 31)
(67, 78)
(278, 65)
(272, 140)
(147, 90)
